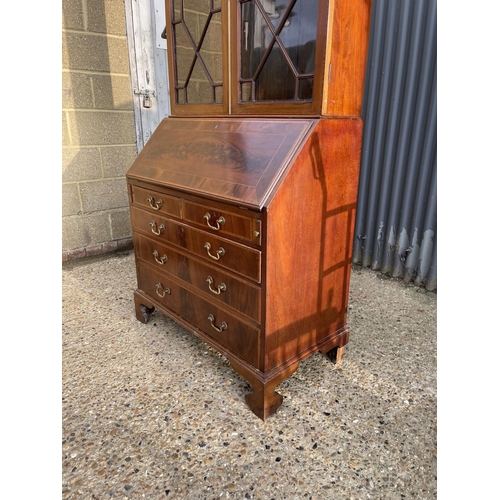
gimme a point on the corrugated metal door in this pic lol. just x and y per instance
(396, 218)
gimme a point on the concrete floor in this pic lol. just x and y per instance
(150, 411)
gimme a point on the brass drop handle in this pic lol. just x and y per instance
(165, 291)
(220, 221)
(155, 204)
(219, 252)
(223, 325)
(220, 288)
(154, 230)
(162, 260)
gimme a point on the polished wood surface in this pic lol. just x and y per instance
(263, 400)
(265, 304)
(232, 159)
(309, 238)
(161, 288)
(347, 53)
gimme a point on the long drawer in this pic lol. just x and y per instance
(234, 334)
(226, 253)
(219, 285)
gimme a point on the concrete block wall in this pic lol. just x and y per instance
(99, 139)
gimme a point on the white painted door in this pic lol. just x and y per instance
(148, 65)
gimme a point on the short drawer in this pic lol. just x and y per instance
(159, 202)
(223, 222)
(228, 254)
(241, 295)
(159, 287)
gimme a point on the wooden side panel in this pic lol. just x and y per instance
(347, 53)
(310, 225)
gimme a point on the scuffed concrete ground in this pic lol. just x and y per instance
(150, 411)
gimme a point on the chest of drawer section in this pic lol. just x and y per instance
(201, 260)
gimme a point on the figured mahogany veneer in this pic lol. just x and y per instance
(275, 201)
(233, 160)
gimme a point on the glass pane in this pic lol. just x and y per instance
(197, 28)
(211, 48)
(218, 95)
(246, 91)
(196, 18)
(255, 39)
(276, 80)
(199, 89)
(183, 59)
(176, 9)
(275, 12)
(276, 72)
(216, 68)
(202, 93)
(193, 94)
(299, 35)
(306, 89)
(182, 39)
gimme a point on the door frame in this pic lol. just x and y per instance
(145, 21)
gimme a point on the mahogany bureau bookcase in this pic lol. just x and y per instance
(243, 201)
